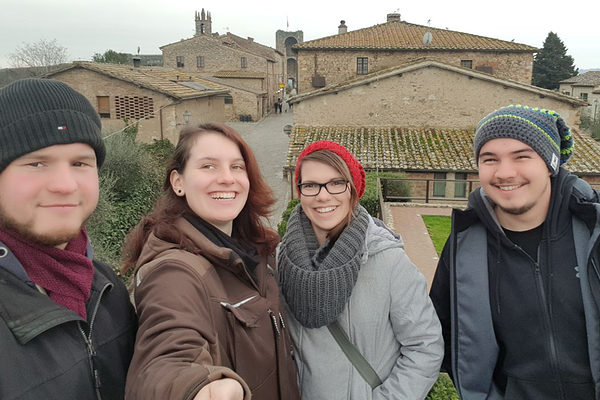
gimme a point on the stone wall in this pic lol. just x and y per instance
(257, 85)
(338, 66)
(244, 103)
(167, 119)
(427, 97)
(219, 57)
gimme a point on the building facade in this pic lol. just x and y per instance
(587, 88)
(347, 55)
(239, 60)
(420, 119)
(160, 101)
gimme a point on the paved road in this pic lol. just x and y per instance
(270, 144)
(406, 220)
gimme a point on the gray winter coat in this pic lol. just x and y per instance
(391, 321)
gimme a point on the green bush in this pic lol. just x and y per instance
(591, 126)
(130, 181)
(282, 226)
(370, 199)
(443, 389)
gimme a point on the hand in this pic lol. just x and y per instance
(223, 389)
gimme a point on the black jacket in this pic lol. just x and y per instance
(48, 352)
(516, 328)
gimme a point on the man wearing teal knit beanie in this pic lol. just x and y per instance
(517, 287)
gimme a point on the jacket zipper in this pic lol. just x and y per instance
(547, 320)
(239, 303)
(90, 345)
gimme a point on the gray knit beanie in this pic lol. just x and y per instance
(37, 113)
(543, 130)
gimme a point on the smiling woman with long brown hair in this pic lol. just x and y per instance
(208, 304)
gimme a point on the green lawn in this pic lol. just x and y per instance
(439, 230)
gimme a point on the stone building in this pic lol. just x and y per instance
(242, 62)
(420, 119)
(161, 100)
(284, 41)
(349, 54)
(587, 88)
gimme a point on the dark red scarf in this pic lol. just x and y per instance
(66, 275)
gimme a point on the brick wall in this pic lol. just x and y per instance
(426, 97)
(337, 66)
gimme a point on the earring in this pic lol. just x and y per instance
(179, 191)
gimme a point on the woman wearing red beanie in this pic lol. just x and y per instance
(342, 272)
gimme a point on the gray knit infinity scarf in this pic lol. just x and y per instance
(317, 281)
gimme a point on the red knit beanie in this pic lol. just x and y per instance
(356, 170)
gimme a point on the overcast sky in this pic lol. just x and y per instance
(86, 27)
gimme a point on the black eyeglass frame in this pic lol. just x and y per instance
(323, 185)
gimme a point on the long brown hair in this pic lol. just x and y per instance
(248, 227)
(328, 157)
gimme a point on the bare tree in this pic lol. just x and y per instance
(42, 53)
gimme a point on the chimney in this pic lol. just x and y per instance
(342, 28)
(250, 39)
(393, 17)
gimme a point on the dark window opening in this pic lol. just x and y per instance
(200, 61)
(439, 187)
(460, 184)
(243, 62)
(103, 106)
(228, 100)
(179, 60)
(362, 65)
(466, 64)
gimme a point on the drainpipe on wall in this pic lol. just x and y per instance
(160, 117)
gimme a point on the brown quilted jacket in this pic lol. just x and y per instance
(204, 317)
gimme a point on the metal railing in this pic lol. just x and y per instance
(425, 190)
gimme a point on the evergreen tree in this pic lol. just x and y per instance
(110, 57)
(552, 64)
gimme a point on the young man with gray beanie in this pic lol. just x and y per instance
(517, 288)
(66, 324)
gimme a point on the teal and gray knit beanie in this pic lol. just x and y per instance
(38, 113)
(543, 130)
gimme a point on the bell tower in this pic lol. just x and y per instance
(203, 23)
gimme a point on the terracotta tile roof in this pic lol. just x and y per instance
(400, 35)
(239, 74)
(159, 79)
(251, 46)
(590, 78)
(427, 63)
(408, 149)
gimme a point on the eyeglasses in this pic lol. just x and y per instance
(333, 187)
